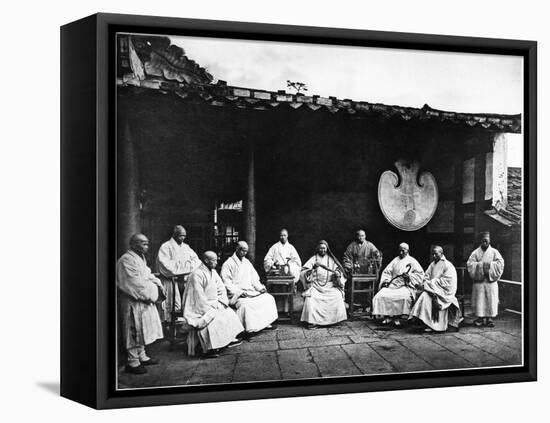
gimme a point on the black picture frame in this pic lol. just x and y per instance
(87, 210)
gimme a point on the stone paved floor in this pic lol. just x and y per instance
(351, 348)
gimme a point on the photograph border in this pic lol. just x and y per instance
(97, 387)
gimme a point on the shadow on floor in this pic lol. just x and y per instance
(51, 387)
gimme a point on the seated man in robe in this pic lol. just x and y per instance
(138, 290)
(324, 280)
(255, 307)
(283, 257)
(485, 267)
(398, 287)
(437, 306)
(283, 253)
(175, 260)
(360, 253)
(206, 308)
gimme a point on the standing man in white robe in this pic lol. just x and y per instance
(283, 253)
(255, 307)
(437, 306)
(323, 279)
(206, 308)
(175, 259)
(485, 267)
(398, 287)
(138, 290)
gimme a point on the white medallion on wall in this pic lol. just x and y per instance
(408, 200)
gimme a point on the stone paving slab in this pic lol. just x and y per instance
(314, 342)
(215, 370)
(508, 340)
(268, 335)
(256, 366)
(367, 359)
(333, 361)
(355, 347)
(341, 331)
(507, 354)
(433, 353)
(289, 332)
(257, 346)
(474, 355)
(360, 339)
(317, 333)
(297, 364)
(401, 358)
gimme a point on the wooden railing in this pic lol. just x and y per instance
(463, 279)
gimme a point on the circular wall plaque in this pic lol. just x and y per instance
(409, 203)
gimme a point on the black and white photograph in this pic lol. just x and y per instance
(305, 211)
(249, 211)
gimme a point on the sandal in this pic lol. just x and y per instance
(490, 324)
(386, 321)
(478, 322)
(397, 323)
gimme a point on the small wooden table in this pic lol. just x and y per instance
(362, 283)
(289, 286)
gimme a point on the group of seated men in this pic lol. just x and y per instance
(227, 307)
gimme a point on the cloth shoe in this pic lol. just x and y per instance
(137, 370)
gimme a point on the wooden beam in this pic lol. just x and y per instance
(250, 207)
(128, 209)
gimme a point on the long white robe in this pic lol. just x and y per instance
(397, 299)
(206, 307)
(255, 310)
(440, 283)
(485, 268)
(324, 296)
(138, 289)
(281, 254)
(174, 259)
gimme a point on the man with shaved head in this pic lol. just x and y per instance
(255, 307)
(283, 254)
(138, 290)
(398, 287)
(361, 254)
(437, 307)
(175, 260)
(485, 267)
(206, 307)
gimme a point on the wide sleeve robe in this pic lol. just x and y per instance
(205, 307)
(485, 269)
(240, 277)
(439, 285)
(324, 294)
(256, 308)
(138, 291)
(174, 260)
(356, 253)
(281, 254)
(397, 298)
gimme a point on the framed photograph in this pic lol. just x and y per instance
(257, 211)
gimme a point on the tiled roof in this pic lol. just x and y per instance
(246, 98)
(157, 57)
(165, 67)
(514, 191)
(511, 214)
